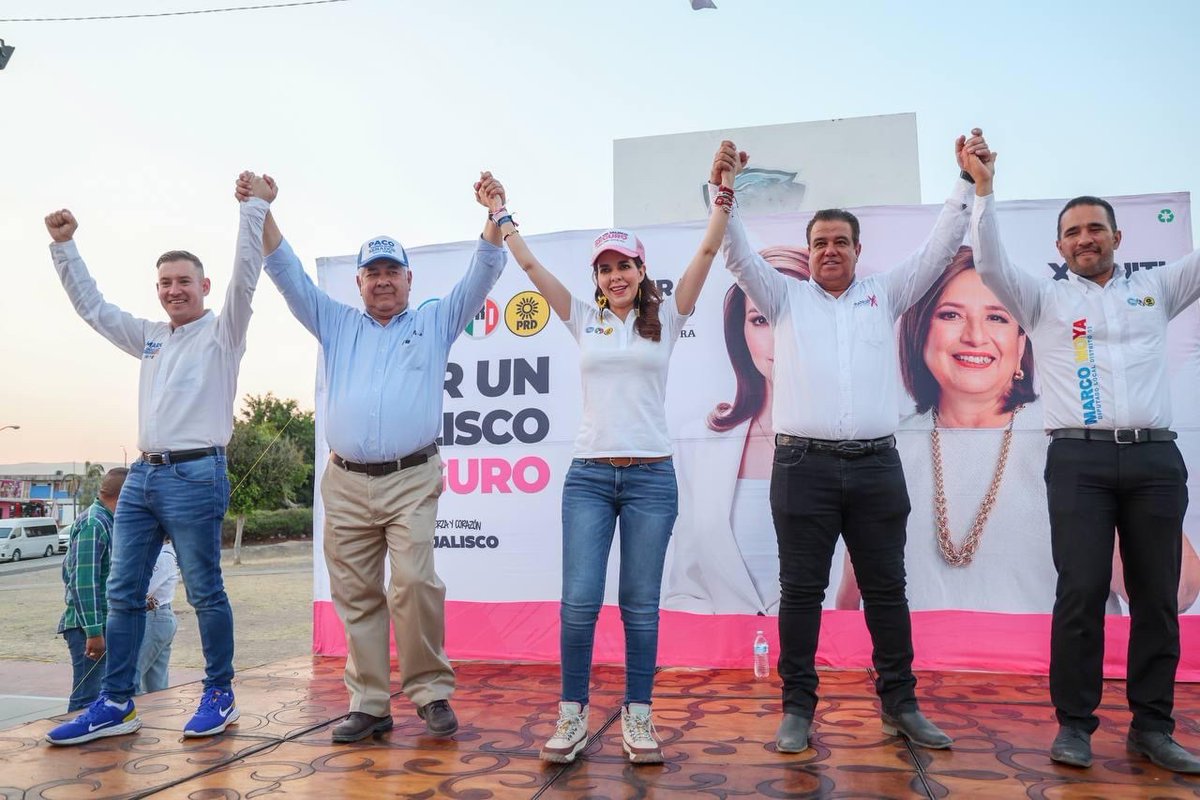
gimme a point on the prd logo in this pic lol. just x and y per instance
(485, 321)
(526, 313)
(1166, 215)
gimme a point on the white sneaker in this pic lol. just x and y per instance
(570, 735)
(637, 735)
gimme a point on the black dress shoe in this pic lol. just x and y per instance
(1164, 751)
(360, 725)
(792, 736)
(1072, 747)
(913, 726)
(439, 718)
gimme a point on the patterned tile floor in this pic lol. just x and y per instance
(717, 728)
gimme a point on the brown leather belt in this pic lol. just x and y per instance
(388, 467)
(620, 462)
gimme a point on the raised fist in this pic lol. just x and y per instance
(62, 225)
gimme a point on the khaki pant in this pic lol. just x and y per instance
(367, 518)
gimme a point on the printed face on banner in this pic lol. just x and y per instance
(759, 341)
(974, 345)
(833, 254)
(384, 286)
(1088, 241)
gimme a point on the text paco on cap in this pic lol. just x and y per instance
(622, 241)
(379, 248)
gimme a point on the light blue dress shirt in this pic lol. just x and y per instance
(384, 382)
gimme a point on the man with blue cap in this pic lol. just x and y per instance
(384, 369)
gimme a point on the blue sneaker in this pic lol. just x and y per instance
(216, 711)
(100, 719)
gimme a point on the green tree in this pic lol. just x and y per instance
(265, 471)
(298, 426)
(87, 484)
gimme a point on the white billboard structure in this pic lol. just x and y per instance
(802, 166)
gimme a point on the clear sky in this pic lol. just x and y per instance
(376, 116)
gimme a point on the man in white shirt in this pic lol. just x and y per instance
(1099, 338)
(836, 469)
(154, 659)
(179, 487)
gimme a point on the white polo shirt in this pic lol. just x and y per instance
(189, 375)
(836, 373)
(624, 381)
(1101, 351)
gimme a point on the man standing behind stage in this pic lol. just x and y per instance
(836, 469)
(1099, 338)
(179, 487)
(384, 370)
(85, 574)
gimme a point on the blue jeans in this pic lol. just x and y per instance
(85, 673)
(596, 495)
(154, 659)
(187, 502)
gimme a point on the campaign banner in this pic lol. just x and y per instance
(512, 407)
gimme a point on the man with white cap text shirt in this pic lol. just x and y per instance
(384, 373)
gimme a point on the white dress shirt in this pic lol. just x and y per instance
(1100, 350)
(165, 576)
(189, 374)
(836, 372)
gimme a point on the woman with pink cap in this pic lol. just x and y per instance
(622, 468)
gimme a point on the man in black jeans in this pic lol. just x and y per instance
(1100, 341)
(835, 409)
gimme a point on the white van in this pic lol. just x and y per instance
(27, 537)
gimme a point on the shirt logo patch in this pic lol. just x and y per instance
(1147, 301)
(870, 300)
(151, 349)
(599, 331)
(1089, 379)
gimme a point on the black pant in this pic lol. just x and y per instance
(1140, 490)
(816, 496)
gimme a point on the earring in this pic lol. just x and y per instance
(602, 301)
(1019, 375)
(638, 299)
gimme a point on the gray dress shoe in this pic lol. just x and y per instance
(1164, 751)
(360, 725)
(1072, 747)
(913, 726)
(792, 736)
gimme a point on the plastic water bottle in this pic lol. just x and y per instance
(762, 664)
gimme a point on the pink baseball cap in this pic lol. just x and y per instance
(620, 241)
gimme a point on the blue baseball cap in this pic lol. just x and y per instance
(380, 248)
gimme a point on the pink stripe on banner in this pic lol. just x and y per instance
(942, 640)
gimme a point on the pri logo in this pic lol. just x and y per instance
(485, 321)
(527, 313)
(1166, 215)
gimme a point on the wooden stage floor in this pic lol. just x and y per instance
(717, 729)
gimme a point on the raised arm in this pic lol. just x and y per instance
(725, 166)
(455, 310)
(119, 327)
(761, 282)
(908, 281)
(1180, 281)
(308, 304)
(1017, 289)
(490, 194)
(235, 315)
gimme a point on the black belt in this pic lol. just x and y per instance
(1119, 435)
(845, 448)
(175, 456)
(415, 459)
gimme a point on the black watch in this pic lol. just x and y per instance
(966, 176)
